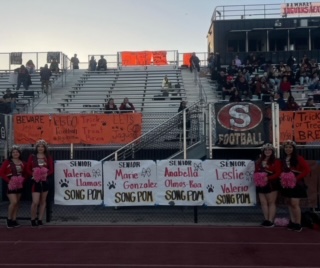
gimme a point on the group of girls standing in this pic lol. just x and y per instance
(285, 175)
(15, 172)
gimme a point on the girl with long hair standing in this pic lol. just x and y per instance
(39, 166)
(13, 171)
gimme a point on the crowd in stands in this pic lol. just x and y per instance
(256, 78)
(125, 106)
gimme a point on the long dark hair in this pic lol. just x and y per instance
(293, 159)
(15, 149)
(46, 151)
(271, 159)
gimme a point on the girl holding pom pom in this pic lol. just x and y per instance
(294, 169)
(39, 166)
(266, 178)
(13, 172)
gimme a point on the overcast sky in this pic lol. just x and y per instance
(107, 26)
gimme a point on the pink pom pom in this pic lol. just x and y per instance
(16, 182)
(288, 180)
(283, 222)
(44, 174)
(260, 179)
(40, 174)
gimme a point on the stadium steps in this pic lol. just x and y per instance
(48, 103)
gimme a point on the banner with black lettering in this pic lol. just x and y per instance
(16, 58)
(78, 182)
(130, 183)
(229, 183)
(240, 124)
(3, 131)
(180, 182)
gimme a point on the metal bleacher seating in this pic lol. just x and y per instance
(142, 86)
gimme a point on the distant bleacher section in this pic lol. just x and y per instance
(141, 85)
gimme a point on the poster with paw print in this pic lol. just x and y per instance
(130, 183)
(229, 183)
(78, 182)
(180, 182)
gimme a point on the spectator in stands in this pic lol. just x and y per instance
(45, 74)
(309, 105)
(314, 84)
(273, 76)
(30, 67)
(13, 170)
(304, 74)
(126, 106)
(54, 66)
(262, 87)
(23, 77)
(285, 87)
(10, 100)
(270, 167)
(228, 88)
(291, 104)
(102, 64)
(237, 62)
(221, 80)
(211, 62)
(235, 97)
(243, 88)
(292, 162)
(194, 62)
(110, 107)
(290, 62)
(40, 160)
(92, 64)
(278, 98)
(75, 62)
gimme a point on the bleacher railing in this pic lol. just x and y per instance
(169, 135)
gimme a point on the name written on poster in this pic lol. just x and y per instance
(232, 193)
(84, 180)
(129, 173)
(188, 170)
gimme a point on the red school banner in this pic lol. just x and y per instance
(131, 58)
(77, 128)
(186, 59)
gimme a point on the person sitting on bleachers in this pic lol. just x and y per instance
(166, 86)
(262, 87)
(235, 97)
(309, 105)
(237, 61)
(92, 64)
(314, 84)
(54, 66)
(304, 74)
(221, 80)
(10, 100)
(243, 87)
(102, 64)
(45, 75)
(228, 88)
(285, 86)
(278, 98)
(126, 106)
(110, 107)
(291, 104)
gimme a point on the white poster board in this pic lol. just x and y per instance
(129, 183)
(78, 182)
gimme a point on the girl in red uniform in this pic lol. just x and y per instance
(292, 162)
(268, 165)
(39, 166)
(13, 172)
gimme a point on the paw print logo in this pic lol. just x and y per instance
(249, 175)
(171, 203)
(111, 185)
(64, 183)
(104, 123)
(210, 188)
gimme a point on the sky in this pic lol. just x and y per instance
(94, 27)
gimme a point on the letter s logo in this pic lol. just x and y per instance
(235, 112)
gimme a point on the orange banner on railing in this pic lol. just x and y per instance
(186, 59)
(286, 125)
(77, 128)
(131, 58)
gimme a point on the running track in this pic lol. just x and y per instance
(158, 246)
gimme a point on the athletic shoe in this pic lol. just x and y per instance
(15, 224)
(297, 227)
(263, 223)
(290, 226)
(9, 224)
(34, 223)
(268, 224)
(40, 223)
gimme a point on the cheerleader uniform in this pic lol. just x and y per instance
(300, 171)
(273, 173)
(34, 162)
(9, 169)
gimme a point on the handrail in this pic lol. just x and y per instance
(132, 143)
